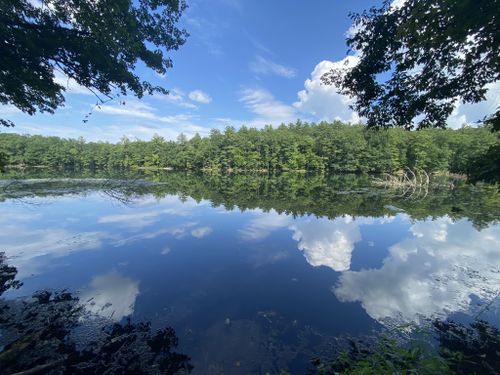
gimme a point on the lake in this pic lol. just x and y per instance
(257, 273)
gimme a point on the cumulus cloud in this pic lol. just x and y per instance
(200, 97)
(327, 242)
(322, 101)
(261, 65)
(432, 274)
(111, 296)
(315, 102)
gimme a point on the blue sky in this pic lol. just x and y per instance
(245, 62)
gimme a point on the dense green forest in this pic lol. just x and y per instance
(327, 147)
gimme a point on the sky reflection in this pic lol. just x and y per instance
(111, 296)
(433, 273)
(432, 267)
(327, 242)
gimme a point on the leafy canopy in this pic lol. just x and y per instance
(418, 60)
(96, 43)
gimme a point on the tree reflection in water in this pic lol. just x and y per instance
(31, 342)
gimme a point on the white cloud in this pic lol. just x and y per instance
(323, 101)
(201, 232)
(262, 65)
(267, 109)
(432, 274)
(353, 30)
(471, 113)
(111, 296)
(327, 242)
(180, 230)
(138, 109)
(316, 102)
(200, 97)
(136, 120)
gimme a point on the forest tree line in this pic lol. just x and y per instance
(326, 147)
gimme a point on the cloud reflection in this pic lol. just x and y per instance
(149, 210)
(432, 274)
(263, 225)
(327, 242)
(201, 232)
(27, 245)
(111, 296)
(324, 242)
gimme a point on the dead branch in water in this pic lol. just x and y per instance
(414, 183)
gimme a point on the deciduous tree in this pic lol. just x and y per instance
(96, 43)
(418, 60)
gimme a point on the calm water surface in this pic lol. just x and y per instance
(263, 279)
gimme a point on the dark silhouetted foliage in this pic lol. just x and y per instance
(419, 59)
(37, 337)
(461, 350)
(96, 43)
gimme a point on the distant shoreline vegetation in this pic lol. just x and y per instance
(325, 147)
